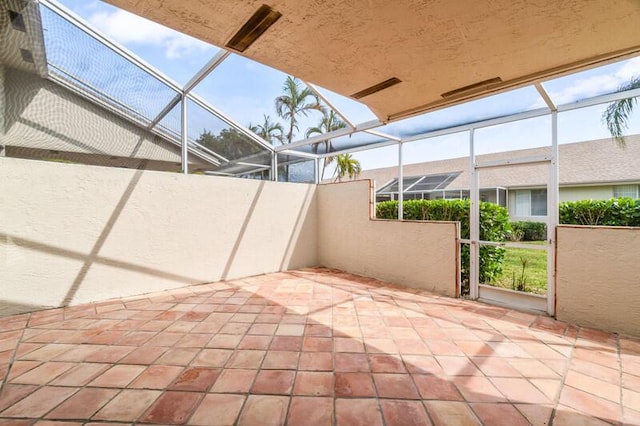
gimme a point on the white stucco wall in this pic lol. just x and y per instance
(75, 233)
(597, 281)
(415, 254)
(3, 108)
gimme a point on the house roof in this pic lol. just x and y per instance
(582, 163)
(442, 51)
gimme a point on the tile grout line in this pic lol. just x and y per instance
(619, 356)
(334, 417)
(356, 289)
(375, 385)
(85, 386)
(556, 400)
(505, 339)
(13, 354)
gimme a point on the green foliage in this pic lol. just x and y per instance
(520, 283)
(388, 209)
(527, 231)
(330, 122)
(346, 165)
(516, 233)
(270, 131)
(296, 100)
(494, 225)
(531, 276)
(229, 143)
(618, 113)
(613, 212)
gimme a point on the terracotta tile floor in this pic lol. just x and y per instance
(310, 347)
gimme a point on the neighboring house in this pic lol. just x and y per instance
(596, 169)
(82, 101)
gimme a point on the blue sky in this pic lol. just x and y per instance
(245, 90)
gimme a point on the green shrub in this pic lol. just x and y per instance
(494, 225)
(527, 231)
(614, 212)
(515, 233)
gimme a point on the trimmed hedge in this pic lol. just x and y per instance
(614, 212)
(527, 231)
(494, 225)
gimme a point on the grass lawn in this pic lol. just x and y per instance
(535, 272)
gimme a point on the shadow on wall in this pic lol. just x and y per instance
(298, 237)
(90, 259)
(243, 230)
(147, 239)
(290, 243)
(9, 308)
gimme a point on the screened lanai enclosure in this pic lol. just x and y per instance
(215, 212)
(74, 95)
(45, 40)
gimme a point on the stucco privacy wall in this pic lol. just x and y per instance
(80, 233)
(597, 277)
(416, 254)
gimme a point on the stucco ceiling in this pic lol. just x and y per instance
(432, 46)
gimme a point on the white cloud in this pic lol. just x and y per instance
(127, 28)
(630, 69)
(597, 84)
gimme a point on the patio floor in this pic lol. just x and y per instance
(310, 347)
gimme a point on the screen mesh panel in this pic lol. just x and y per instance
(92, 66)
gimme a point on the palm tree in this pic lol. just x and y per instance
(327, 124)
(269, 131)
(295, 102)
(347, 165)
(617, 114)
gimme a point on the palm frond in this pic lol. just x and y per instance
(294, 102)
(313, 130)
(618, 113)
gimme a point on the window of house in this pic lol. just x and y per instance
(531, 202)
(625, 191)
(523, 202)
(538, 202)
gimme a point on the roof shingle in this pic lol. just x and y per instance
(582, 163)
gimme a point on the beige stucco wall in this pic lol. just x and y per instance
(81, 233)
(416, 254)
(597, 277)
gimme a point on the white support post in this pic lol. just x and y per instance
(374, 212)
(206, 70)
(400, 183)
(184, 136)
(316, 167)
(274, 166)
(474, 222)
(331, 105)
(552, 216)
